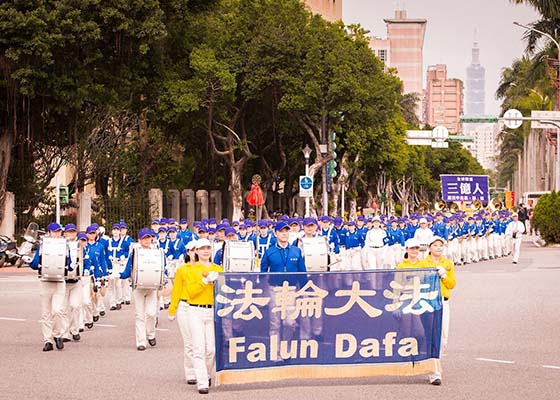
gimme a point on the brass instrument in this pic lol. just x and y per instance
(440, 205)
(496, 205)
(476, 205)
(454, 207)
(423, 206)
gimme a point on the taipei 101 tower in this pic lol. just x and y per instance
(475, 84)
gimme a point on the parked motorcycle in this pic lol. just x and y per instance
(31, 239)
(8, 248)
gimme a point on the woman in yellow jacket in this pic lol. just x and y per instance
(178, 309)
(411, 259)
(200, 280)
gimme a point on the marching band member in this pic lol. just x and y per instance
(446, 273)
(73, 293)
(52, 298)
(199, 282)
(515, 230)
(145, 300)
(328, 231)
(395, 240)
(94, 253)
(184, 233)
(278, 259)
(471, 240)
(354, 245)
(178, 308)
(375, 245)
(265, 239)
(126, 248)
(424, 235)
(115, 290)
(230, 234)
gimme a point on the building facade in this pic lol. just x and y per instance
(443, 100)
(475, 84)
(485, 146)
(382, 49)
(331, 10)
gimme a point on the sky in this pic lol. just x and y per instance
(450, 33)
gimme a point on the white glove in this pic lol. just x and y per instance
(26, 259)
(212, 276)
(170, 257)
(171, 317)
(442, 272)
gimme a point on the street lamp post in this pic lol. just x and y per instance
(557, 105)
(307, 153)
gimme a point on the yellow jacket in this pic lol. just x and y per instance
(407, 264)
(448, 282)
(179, 291)
(197, 291)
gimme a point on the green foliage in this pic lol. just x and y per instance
(546, 216)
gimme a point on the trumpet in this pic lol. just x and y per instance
(454, 207)
(476, 205)
(440, 205)
(496, 205)
(423, 206)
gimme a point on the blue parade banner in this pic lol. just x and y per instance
(464, 188)
(326, 325)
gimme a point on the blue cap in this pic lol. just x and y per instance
(116, 226)
(361, 218)
(325, 218)
(235, 223)
(281, 225)
(220, 227)
(337, 221)
(225, 221)
(212, 221)
(95, 225)
(53, 227)
(171, 221)
(172, 229)
(263, 223)
(183, 221)
(202, 228)
(155, 221)
(242, 226)
(91, 229)
(163, 221)
(145, 232)
(70, 227)
(82, 236)
(124, 225)
(351, 223)
(230, 231)
(162, 229)
(309, 221)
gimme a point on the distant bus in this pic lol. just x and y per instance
(530, 199)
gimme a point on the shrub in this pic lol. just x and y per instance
(546, 217)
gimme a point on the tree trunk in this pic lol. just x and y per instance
(6, 142)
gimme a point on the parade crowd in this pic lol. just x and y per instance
(100, 268)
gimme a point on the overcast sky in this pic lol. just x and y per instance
(450, 32)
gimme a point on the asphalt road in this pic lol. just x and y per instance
(504, 344)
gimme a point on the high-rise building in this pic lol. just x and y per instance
(382, 49)
(331, 10)
(443, 101)
(475, 84)
(485, 146)
(406, 42)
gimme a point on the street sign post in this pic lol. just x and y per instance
(544, 115)
(513, 118)
(305, 186)
(464, 188)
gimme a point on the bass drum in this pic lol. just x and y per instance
(148, 269)
(316, 253)
(54, 258)
(239, 256)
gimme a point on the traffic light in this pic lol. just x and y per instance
(63, 195)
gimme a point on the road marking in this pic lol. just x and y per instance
(496, 361)
(162, 329)
(551, 366)
(12, 319)
(105, 325)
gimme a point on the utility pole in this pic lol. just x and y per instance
(324, 152)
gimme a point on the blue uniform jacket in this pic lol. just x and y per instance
(283, 259)
(95, 260)
(395, 236)
(354, 239)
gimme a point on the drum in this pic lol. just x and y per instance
(147, 266)
(238, 256)
(74, 255)
(316, 253)
(54, 259)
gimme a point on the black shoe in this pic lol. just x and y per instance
(436, 382)
(59, 343)
(65, 340)
(161, 308)
(203, 391)
(113, 308)
(127, 302)
(141, 348)
(152, 342)
(191, 382)
(48, 347)
(119, 306)
(95, 318)
(166, 306)
(515, 262)
(102, 313)
(90, 325)
(80, 330)
(209, 382)
(76, 337)
(122, 302)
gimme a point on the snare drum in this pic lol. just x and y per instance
(54, 259)
(316, 253)
(239, 256)
(148, 269)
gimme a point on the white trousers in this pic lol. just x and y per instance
(353, 259)
(72, 307)
(201, 324)
(374, 257)
(114, 292)
(126, 289)
(183, 322)
(145, 306)
(52, 309)
(444, 341)
(516, 244)
(87, 304)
